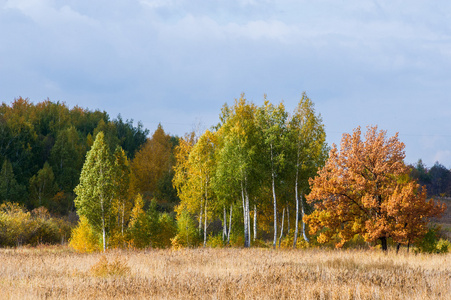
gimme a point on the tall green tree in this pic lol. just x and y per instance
(66, 158)
(237, 156)
(308, 152)
(272, 123)
(96, 191)
(123, 202)
(10, 189)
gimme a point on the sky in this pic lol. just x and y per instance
(176, 62)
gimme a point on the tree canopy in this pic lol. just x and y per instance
(365, 189)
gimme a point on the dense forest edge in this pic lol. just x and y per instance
(72, 175)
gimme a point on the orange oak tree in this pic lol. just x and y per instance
(365, 189)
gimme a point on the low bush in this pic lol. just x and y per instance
(19, 227)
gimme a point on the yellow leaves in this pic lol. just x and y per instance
(83, 238)
(152, 161)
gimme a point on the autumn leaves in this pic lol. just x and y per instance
(365, 189)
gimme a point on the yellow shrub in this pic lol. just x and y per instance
(104, 268)
(83, 238)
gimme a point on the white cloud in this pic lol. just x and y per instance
(362, 62)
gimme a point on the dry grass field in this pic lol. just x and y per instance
(59, 273)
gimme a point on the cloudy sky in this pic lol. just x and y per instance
(385, 63)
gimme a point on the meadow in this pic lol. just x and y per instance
(59, 273)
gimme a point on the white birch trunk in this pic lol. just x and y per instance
(245, 216)
(255, 222)
(224, 226)
(248, 221)
(296, 228)
(230, 224)
(281, 226)
(304, 234)
(275, 210)
(103, 224)
(205, 214)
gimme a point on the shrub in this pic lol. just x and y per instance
(84, 239)
(167, 229)
(216, 241)
(430, 243)
(187, 233)
(443, 246)
(103, 268)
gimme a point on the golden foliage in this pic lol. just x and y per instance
(83, 238)
(364, 189)
(104, 268)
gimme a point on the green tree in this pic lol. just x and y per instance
(272, 123)
(237, 156)
(123, 202)
(96, 191)
(66, 158)
(43, 188)
(308, 152)
(10, 189)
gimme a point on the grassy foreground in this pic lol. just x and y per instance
(59, 273)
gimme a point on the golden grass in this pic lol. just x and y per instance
(59, 273)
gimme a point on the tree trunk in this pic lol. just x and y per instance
(397, 247)
(384, 243)
(205, 217)
(200, 215)
(275, 211)
(230, 224)
(245, 216)
(248, 211)
(205, 224)
(296, 225)
(255, 222)
(224, 227)
(304, 234)
(281, 227)
(103, 225)
(123, 218)
(288, 219)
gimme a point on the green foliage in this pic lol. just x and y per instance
(32, 134)
(137, 230)
(96, 190)
(443, 246)
(10, 189)
(431, 243)
(43, 188)
(167, 230)
(187, 233)
(150, 228)
(215, 241)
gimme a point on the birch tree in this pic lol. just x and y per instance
(272, 123)
(95, 192)
(308, 153)
(237, 154)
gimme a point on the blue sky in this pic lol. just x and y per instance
(385, 63)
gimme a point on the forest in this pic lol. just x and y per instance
(254, 179)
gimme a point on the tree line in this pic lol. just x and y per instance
(43, 148)
(261, 174)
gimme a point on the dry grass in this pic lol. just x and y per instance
(58, 273)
